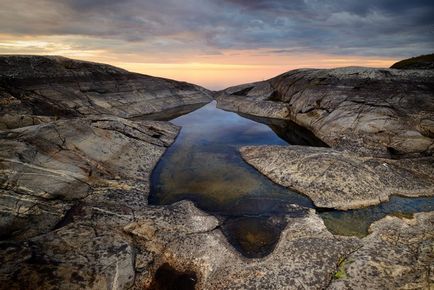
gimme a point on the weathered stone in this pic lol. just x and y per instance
(48, 167)
(36, 86)
(73, 194)
(382, 112)
(78, 256)
(190, 241)
(398, 254)
(339, 179)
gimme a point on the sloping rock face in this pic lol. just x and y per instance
(75, 215)
(34, 86)
(342, 180)
(419, 62)
(381, 112)
(67, 189)
(46, 169)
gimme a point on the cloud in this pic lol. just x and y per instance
(381, 27)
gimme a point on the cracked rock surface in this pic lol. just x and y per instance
(36, 88)
(368, 116)
(46, 169)
(74, 214)
(398, 254)
(379, 112)
(342, 180)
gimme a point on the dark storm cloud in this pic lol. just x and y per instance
(382, 27)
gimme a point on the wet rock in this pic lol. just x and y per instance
(381, 112)
(36, 86)
(339, 179)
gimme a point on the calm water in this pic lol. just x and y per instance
(204, 165)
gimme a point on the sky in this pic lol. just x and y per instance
(219, 43)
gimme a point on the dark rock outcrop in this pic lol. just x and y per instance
(419, 62)
(34, 86)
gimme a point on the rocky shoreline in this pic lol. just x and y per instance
(75, 167)
(379, 124)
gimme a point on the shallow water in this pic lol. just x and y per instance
(204, 165)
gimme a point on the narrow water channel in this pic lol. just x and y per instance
(204, 166)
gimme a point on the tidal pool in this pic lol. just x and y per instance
(204, 166)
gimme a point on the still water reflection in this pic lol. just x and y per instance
(204, 165)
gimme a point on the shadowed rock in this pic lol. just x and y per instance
(419, 62)
(34, 86)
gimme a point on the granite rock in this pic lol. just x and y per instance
(53, 86)
(339, 179)
(380, 112)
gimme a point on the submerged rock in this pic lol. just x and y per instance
(35, 86)
(339, 179)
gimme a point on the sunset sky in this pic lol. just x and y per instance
(218, 43)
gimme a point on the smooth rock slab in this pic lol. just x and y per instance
(381, 112)
(46, 168)
(342, 180)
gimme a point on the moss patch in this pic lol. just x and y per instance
(340, 273)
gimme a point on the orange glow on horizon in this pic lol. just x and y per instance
(217, 76)
(213, 71)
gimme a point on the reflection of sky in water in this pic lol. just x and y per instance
(204, 165)
(356, 222)
(209, 124)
